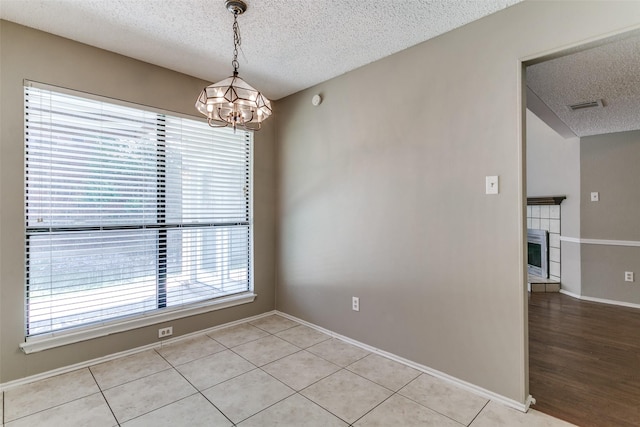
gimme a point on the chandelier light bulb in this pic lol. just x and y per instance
(232, 101)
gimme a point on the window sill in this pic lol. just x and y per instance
(58, 339)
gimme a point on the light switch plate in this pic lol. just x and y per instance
(595, 196)
(491, 185)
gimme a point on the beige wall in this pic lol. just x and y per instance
(553, 169)
(381, 194)
(609, 165)
(34, 55)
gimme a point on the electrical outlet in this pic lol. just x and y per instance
(628, 276)
(165, 332)
(355, 304)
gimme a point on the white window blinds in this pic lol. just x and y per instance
(129, 211)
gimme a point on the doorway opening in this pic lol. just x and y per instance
(582, 140)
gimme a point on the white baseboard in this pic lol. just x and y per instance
(523, 407)
(487, 394)
(87, 363)
(601, 300)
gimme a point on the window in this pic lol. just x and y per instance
(129, 211)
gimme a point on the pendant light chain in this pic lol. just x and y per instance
(237, 41)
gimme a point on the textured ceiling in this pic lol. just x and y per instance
(610, 72)
(287, 45)
(291, 45)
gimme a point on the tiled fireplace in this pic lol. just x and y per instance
(543, 213)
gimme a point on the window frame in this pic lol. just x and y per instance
(162, 313)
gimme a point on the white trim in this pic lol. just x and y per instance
(630, 243)
(523, 407)
(570, 239)
(65, 369)
(57, 339)
(601, 300)
(530, 401)
(107, 358)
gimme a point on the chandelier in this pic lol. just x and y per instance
(232, 101)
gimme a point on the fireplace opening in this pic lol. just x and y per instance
(538, 253)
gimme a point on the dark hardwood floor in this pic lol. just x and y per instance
(584, 360)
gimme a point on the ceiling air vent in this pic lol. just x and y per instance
(586, 105)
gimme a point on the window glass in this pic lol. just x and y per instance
(128, 211)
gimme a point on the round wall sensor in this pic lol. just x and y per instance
(316, 100)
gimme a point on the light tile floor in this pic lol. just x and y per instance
(268, 372)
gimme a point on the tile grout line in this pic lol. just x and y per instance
(320, 406)
(250, 362)
(295, 392)
(344, 368)
(163, 406)
(261, 368)
(214, 405)
(198, 391)
(275, 360)
(171, 367)
(118, 355)
(187, 350)
(397, 392)
(103, 396)
(327, 360)
(265, 408)
(298, 392)
(456, 382)
(174, 367)
(425, 406)
(393, 393)
(157, 350)
(128, 381)
(229, 348)
(52, 407)
(478, 414)
(232, 378)
(317, 381)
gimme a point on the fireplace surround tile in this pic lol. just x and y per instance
(547, 217)
(544, 211)
(538, 284)
(554, 269)
(552, 287)
(544, 223)
(538, 287)
(535, 223)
